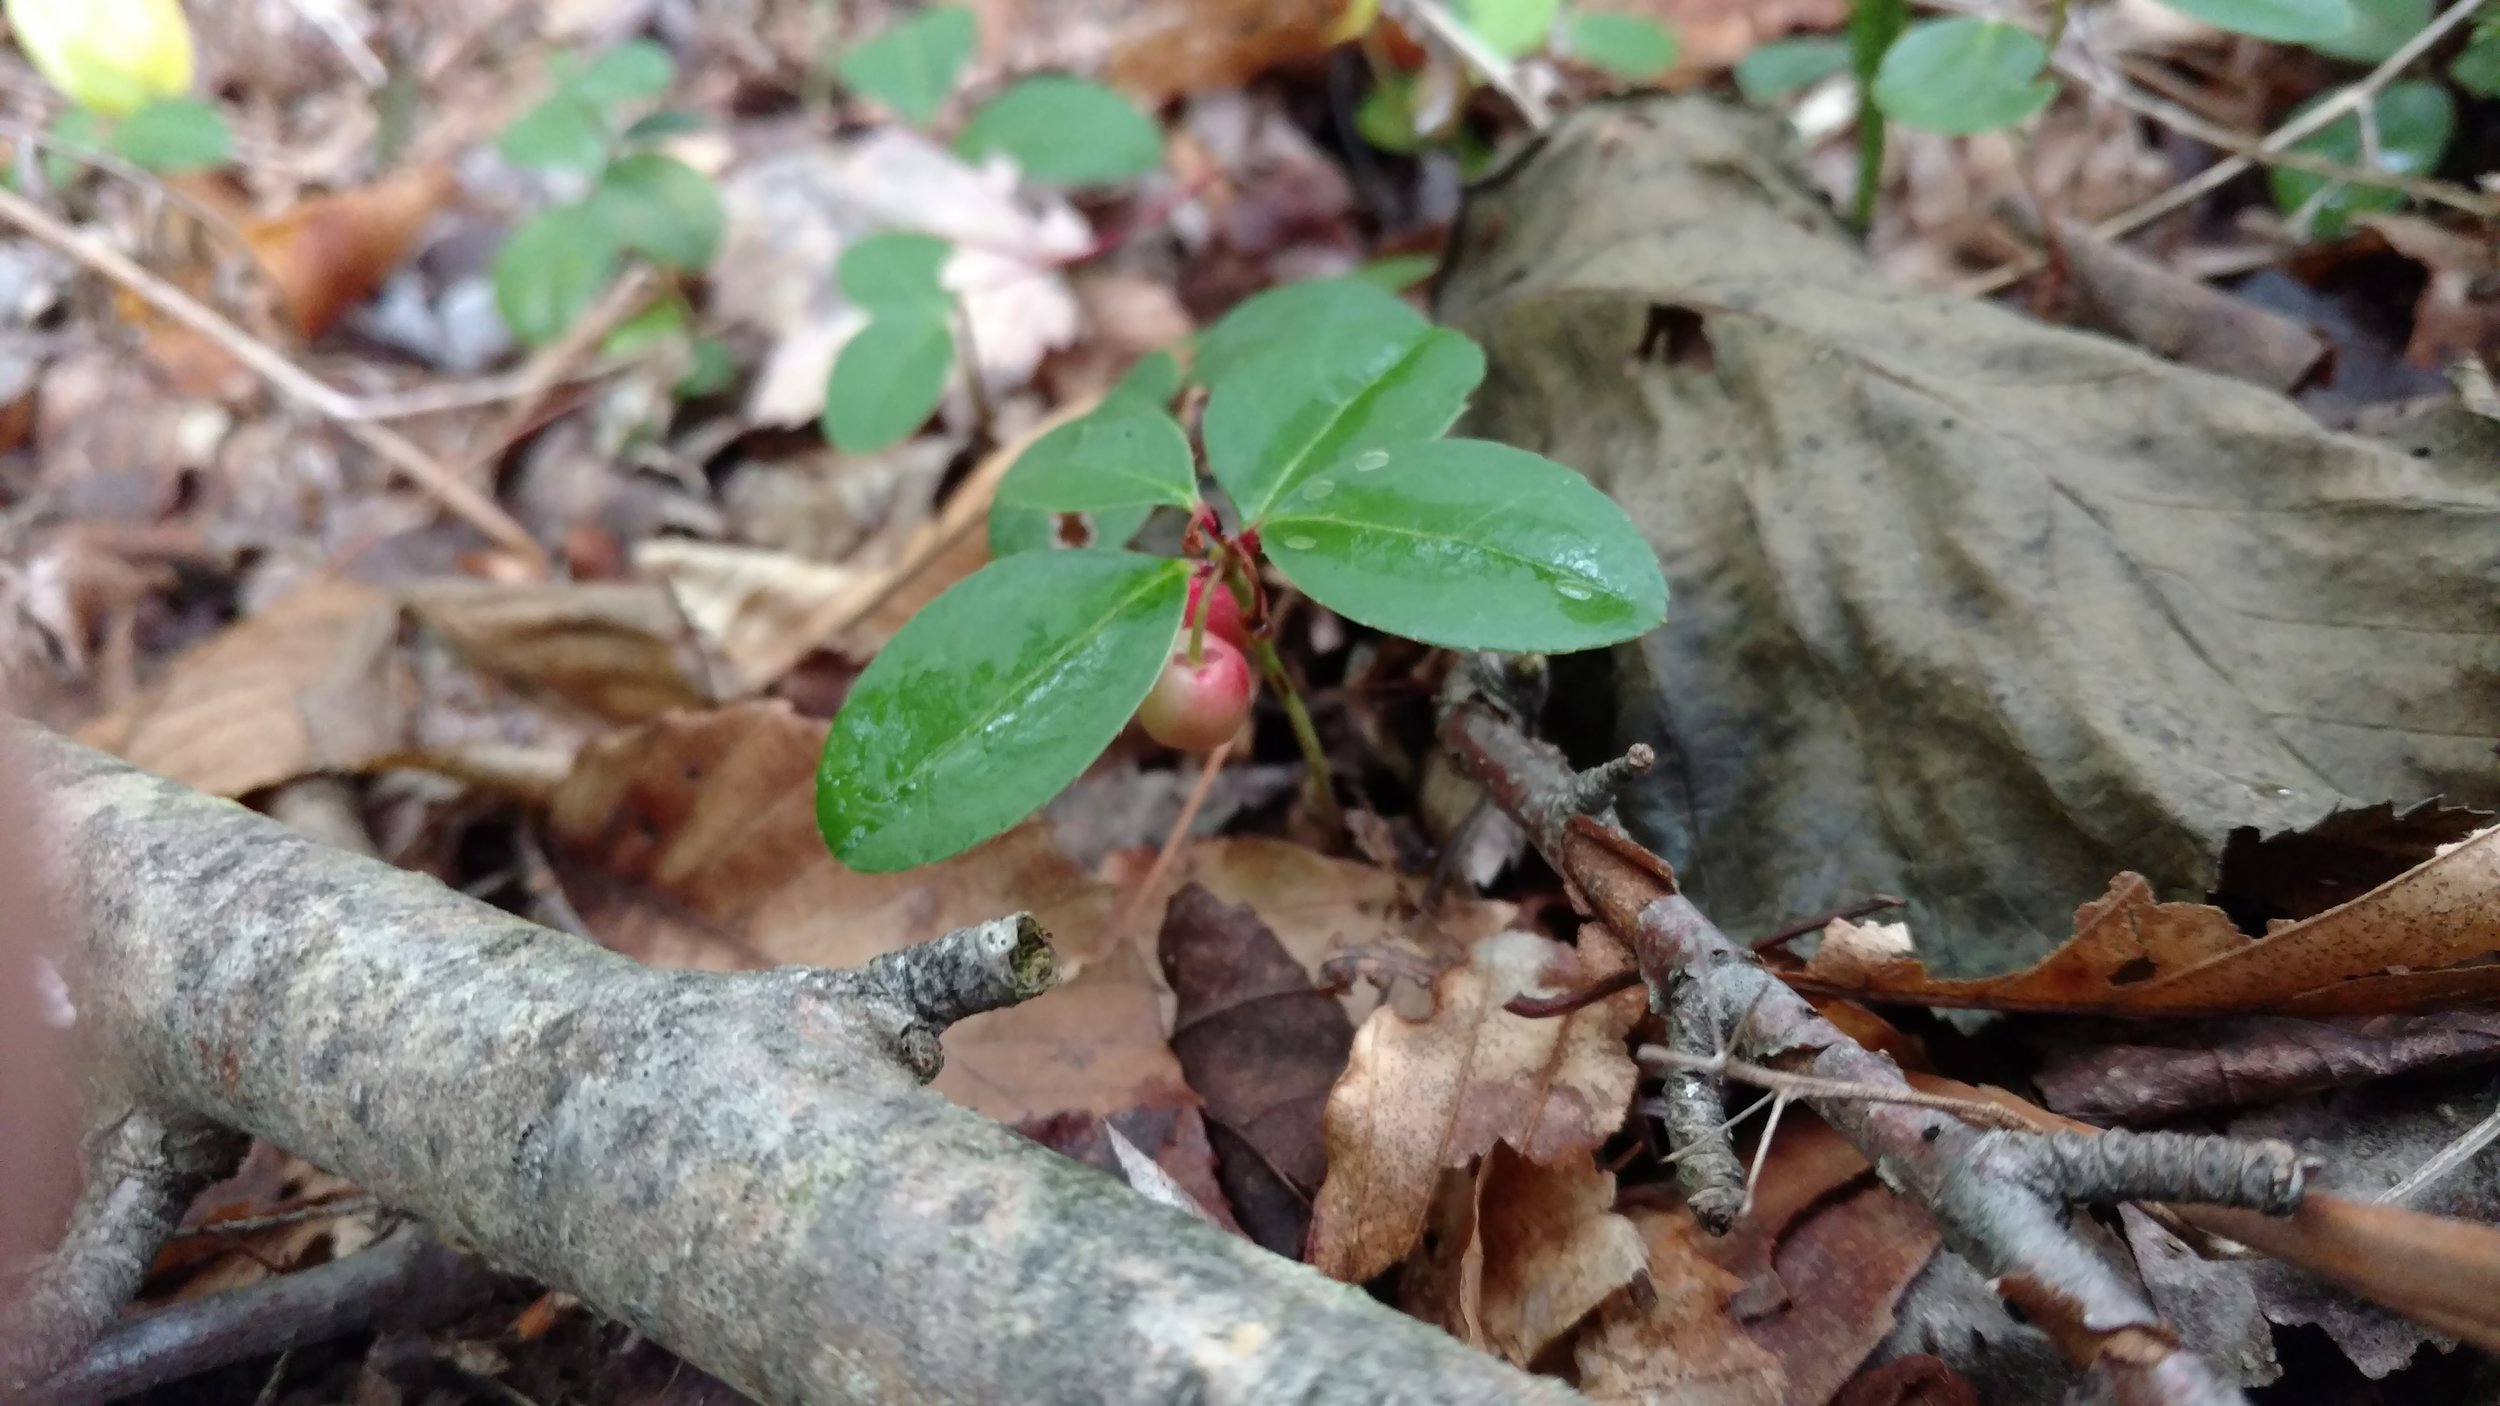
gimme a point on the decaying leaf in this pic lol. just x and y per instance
(1677, 1344)
(2421, 941)
(751, 604)
(327, 253)
(1968, 609)
(1172, 1139)
(692, 842)
(621, 652)
(1262, 1046)
(1553, 1249)
(1420, 1096)
(2161, 1072)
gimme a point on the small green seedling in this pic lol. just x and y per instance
(598, 125)
(1323, 429)
(1627, 48)
(887, 380)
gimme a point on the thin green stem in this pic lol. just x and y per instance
(1323, 794)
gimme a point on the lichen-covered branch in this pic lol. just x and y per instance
(743, 1167)
(1999, 1198)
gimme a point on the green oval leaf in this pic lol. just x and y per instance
(172, 135)
(663, 209)
(2284, 21)
(1014, 530)
(549, 271)
(2415, 119)
(1630, 47)
(1961, 76)
(913, 65)
(991, 699)
(2477, 70)
(1469, 545)
(1512, 27)
(1066, 132)
(631, 72)
(567, 132)
(1317, 310)
(1398, 272)
(886, 382)
(1154, 378)
(666, 123)
(1776, 70)
(897, 273)
(76, 130)
(2379, 28)
(1123, 452)
(1303, 406)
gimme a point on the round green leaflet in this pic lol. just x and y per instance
(2415, 120)
(887, 381)
(1961, 76)
(993, 698)
(913, 63)
(549, 271)
(1296, 408)
(1469, 545)
(1065, 131)
(1314, 311)
(662, 208)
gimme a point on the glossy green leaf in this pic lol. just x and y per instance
(913, 64)
(1065, 132)
(567, 132)
(1123, 452)
(991, 699)
(1630, 47)
(2477, 69)
(1961, 76)
(1317, 310)
(897, 272)
(663, 209)
(1396, 273)
(1155, 379)
(172, 135)
(1469, 545)
(2379, 28)
(1303, 407)
(2284, 21)
(635, 71)
(1014, 530)
(1775, 70)
(549, 271)
(2415, 120)
(887, 381)
(1513, 28)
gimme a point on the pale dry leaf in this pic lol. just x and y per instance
(1148, 1179)
(1419, 1096)
(692, 842)
(1678, 1345)
(1553, 1249)
(748, 604)
(622, 652)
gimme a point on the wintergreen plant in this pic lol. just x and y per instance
(600, 125)
(1326, 407)
(1059, 131)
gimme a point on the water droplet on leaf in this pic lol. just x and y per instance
(1371, 459)
(1318, 488)
(1299, 544)
(1572, 590)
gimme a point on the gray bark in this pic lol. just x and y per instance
(743, 1167)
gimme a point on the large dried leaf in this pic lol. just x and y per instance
(1678, 1345)
(315, 682)
(692, 842)
(1552, 1249)
(2160, 1072)
(1969, 609)
(1262, 1046)
(621, 652)
(1421, 1096)
(2421, 941)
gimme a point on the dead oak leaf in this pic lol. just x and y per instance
(1543, 1249)
(1419, 1096)
(1679, 1343)
(2417, 942)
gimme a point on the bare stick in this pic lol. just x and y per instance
(1179, 836)
(284, 376)
(742, 1166)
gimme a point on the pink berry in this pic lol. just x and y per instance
(1197, 707)
(1223, 613)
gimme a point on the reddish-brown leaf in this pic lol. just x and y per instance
(1678, 1344)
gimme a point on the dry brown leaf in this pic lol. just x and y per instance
(2416, 943)
(1420, 1096)
(623, 652)
(692, 842)
(1677, 1345)
(315, 682)
(1317, 906)
(1553, 1249)
(749, 604)
(327, 253)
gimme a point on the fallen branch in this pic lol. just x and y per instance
(1999, 1197)
(743, 1167)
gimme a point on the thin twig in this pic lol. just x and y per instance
(1179, 836)
(284, 376)
(2449, 1158)
(1820, 921)
(245, 1225)
(137, 176)
(554, 363)
(1658, 1059)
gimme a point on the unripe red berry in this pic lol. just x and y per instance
(1198, 707)
(1223, 613)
